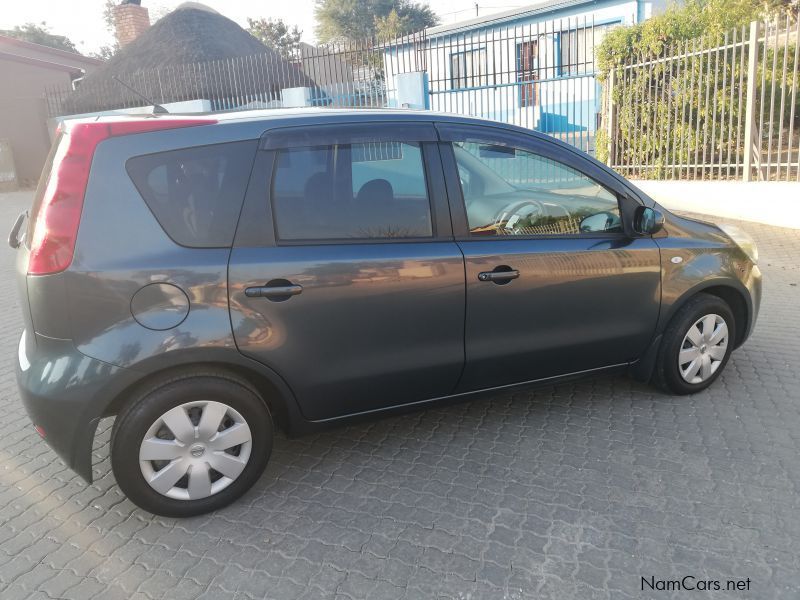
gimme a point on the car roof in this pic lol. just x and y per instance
(322, 114)
(274, 118)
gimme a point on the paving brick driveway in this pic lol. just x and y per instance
(570, 491)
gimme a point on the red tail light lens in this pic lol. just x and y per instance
(56, 226)
(56, 223)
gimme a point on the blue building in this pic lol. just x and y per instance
(532, 66)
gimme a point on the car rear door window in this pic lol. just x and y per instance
(511, 191)
(359, 191)
(196, 193)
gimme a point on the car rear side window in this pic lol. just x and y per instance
(374, 190)
(196, 193)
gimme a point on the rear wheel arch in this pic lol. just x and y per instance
(202, 470)
(275, 395)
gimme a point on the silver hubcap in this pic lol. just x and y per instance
(703, 349)
(195, 450)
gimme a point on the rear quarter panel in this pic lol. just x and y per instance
(121, 248)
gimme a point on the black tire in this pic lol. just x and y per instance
(141, 413)
(667, 375)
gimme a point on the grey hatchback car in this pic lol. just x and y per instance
(206, 278)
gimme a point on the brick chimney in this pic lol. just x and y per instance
(130, 20)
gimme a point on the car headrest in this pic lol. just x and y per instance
(375, 191)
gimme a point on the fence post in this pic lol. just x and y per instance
(611, 121)
(750, 124)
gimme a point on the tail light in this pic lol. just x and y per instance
(56, 219)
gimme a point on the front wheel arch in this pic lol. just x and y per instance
(738, 305)
(642, 369)
(734, 296)
(667, 368)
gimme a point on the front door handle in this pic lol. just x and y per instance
(274, 292)
(498, 276)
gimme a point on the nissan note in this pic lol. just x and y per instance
(207, 278)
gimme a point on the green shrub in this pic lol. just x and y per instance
(687, 110)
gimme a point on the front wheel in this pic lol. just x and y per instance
(696, 345)
(191, 445)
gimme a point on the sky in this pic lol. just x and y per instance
(82, 20)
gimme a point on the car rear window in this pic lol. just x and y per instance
(196, 193)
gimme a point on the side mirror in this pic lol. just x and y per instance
(647, 221)
(599, 222)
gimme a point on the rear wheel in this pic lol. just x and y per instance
(191, 445)
(696, 345)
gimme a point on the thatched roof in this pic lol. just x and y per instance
(191, 53)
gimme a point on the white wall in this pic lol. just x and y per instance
(652, 8)
(769, 202)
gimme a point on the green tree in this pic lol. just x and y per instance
(364, 19)
(108, 16)
(276, 34)
(105, 52)
(40, 34)
(108, 50)
(393, 25)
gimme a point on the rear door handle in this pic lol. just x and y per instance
(274, 292)
(498, 276)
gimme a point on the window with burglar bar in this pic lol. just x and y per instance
(468, 69)
(528, 72)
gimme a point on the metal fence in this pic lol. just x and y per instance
(357, 74)
(540, 76)
(724, 108)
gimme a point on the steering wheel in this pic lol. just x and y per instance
(514, 208)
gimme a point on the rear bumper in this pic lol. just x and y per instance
(65, 394)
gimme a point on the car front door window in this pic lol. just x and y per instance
(510, 191)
